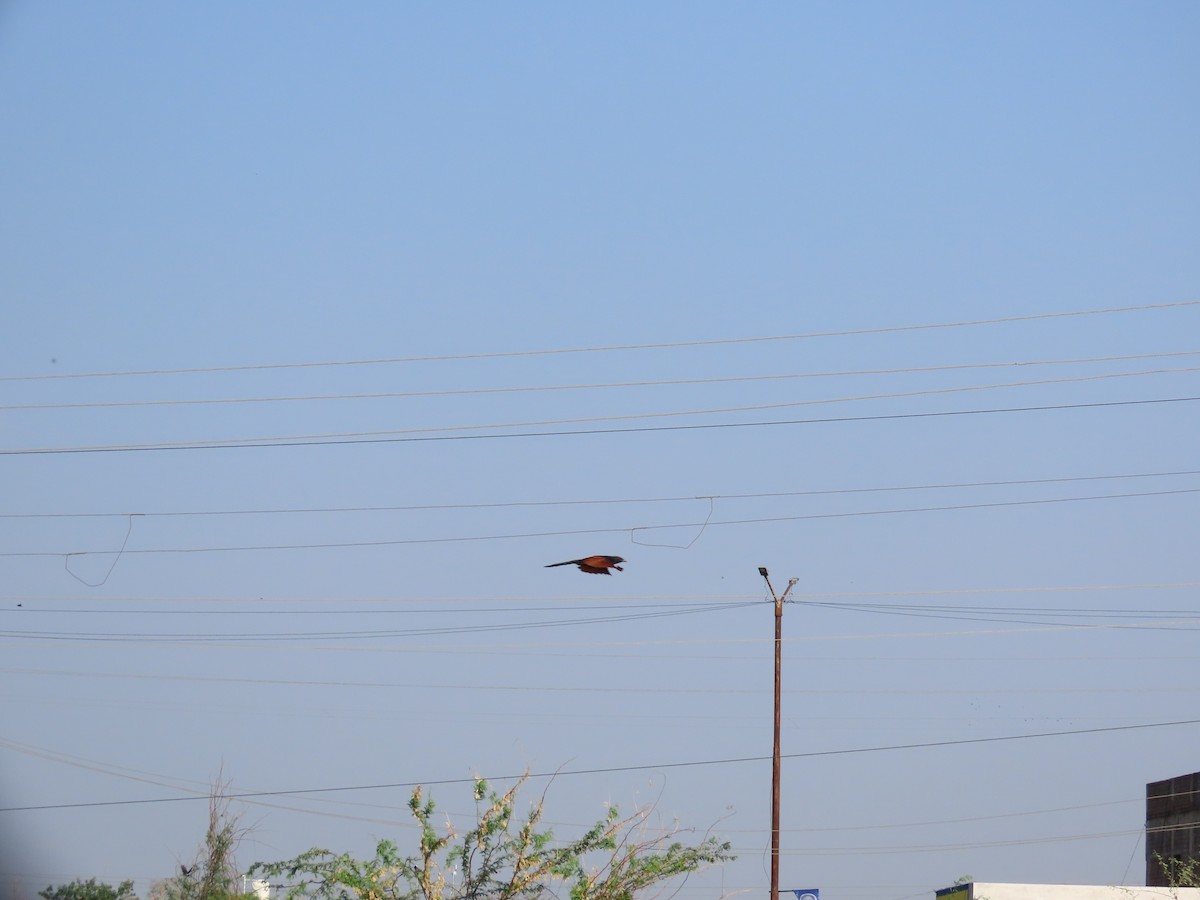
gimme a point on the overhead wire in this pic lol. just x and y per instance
(162, 780)
(976, 845)
(542, 646)
(961, 820)
(270, 641)
(601, 770)
(931, 611)
(391, 437)
(394, 542)
(650, 689)
(969, 845)
(759, 407)
(373, 634)
(1178, 619)
(1088, 612)
(1181, 621)
(609, 600)
(618, 347)
(756, 495)
(619, 603)
(360, 648)
(677, 382)
(195, 788)
(200, 788)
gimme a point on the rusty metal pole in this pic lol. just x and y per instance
(776, 757)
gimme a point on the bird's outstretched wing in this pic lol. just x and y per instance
(594, 565)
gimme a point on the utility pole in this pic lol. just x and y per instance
(776, 758)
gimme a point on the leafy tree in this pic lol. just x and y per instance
(1180, 872)
(89, 890)
(501, 857)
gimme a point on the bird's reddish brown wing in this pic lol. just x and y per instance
(599, 562)
(595, 570)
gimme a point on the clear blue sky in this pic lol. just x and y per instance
(201, 202)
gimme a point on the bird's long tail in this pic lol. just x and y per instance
(569, 562)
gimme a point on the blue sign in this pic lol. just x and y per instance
(808, 894)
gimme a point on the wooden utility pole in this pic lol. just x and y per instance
(777, 757)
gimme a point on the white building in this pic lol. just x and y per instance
(987, 890)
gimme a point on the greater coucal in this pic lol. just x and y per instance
(596, 565)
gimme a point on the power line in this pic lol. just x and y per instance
(972, 845)
(161, 780)
(1177, 620)
(956, 821)
(339, 545)
(1037, 589)
(930, 611)
(639, 599)
(92, 609)
(562, 773)
(759, 407)
(332, 441)
(567, 689)
(493, 687)
(393, 395)
(607, 349)
(1044, 611)
(373, 634)
(541, 646)
(201, 789)
(759, 495)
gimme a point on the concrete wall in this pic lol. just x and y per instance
(994, 891)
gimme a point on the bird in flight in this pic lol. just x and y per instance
(596, 565)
